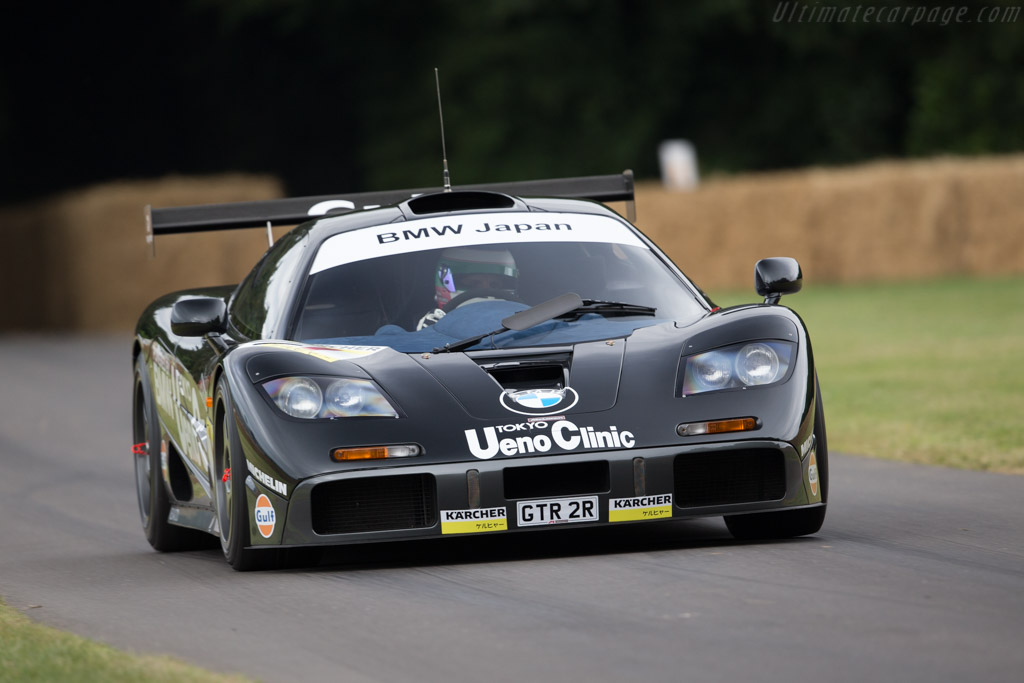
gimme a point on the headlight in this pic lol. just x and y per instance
(741, 365)
(328, 397)
(713, 370)
(298, 397)
(345, 397)
(757, 364)
(356, 397)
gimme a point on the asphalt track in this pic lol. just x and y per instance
(918, 574)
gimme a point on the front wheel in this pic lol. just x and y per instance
(783, 524)
(790, 523)
(232, 502)
(229, 478)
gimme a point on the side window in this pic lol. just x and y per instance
(356, 299)
(246, 315)
(265, 292)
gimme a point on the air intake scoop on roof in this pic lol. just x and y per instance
(459, 200)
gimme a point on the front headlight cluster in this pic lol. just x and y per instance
(314, 398)
(740, 365)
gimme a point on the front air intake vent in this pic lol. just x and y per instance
(406, 501)
(459, 201)
(729, 477)
(519, 376)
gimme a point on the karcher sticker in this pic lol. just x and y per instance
(331, 353)
(640, 507)
(266, 516)
(812, 474)
(474, 521)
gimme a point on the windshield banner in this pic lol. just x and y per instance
(469, 230)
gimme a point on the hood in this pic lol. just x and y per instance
(501, 403)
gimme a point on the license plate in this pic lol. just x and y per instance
(557, 511)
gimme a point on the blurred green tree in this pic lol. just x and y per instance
(336, 96)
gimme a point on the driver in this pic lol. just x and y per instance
(469, 274)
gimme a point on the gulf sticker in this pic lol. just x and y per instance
(330, 353)
(640, 507)
(473, 521)
(812, 474)
(266, 516)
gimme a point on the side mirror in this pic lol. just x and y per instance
(199, 316)
(774, 277)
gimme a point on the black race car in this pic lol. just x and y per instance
(492, 359)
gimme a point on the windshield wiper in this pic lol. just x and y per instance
(610, 308)
(568, 305)
(523, 320)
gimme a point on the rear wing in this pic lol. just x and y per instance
(170, 221)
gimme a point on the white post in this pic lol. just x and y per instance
(678, 161)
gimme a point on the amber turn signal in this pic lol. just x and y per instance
(375, 452)
(738, 424)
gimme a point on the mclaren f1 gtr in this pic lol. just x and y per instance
(487, 360)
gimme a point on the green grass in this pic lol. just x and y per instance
(32, 652)
(928, 372)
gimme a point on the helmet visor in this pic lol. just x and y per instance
(458, 276)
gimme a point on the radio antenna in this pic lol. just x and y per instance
(444, 153)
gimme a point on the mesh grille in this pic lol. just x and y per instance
(348, 506)
(729, 477)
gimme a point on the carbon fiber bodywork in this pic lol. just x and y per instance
(615, 455)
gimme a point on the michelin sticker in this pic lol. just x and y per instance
(330, 353)
(526, 438)
(474, 230)
(640, 507)
(473, 521)
(267, 480)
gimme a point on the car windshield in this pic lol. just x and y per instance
(420, 285)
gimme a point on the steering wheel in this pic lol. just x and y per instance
(478, 293)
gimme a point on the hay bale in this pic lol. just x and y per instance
(82, 262)
(79, 260)
(881, 221)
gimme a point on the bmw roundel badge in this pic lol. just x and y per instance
(539, 401)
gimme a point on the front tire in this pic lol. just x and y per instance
(232, 507)
(783, 524)
(232, 500)
(790, 523)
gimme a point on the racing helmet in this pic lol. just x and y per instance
(461, 269)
